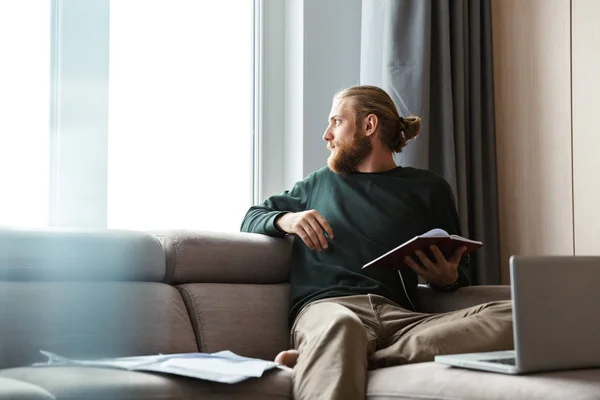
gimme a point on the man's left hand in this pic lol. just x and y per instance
(440, 272)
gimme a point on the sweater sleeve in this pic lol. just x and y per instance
(445, 216)
(261, 218)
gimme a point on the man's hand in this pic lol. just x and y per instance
(442, 272)
(309, 226)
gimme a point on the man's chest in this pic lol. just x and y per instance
(385, 219)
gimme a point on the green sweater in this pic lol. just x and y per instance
(369, 214)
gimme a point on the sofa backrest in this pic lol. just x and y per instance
(109, 293)
(88, 294)
(235, 287)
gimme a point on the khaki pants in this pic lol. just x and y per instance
(340, 338)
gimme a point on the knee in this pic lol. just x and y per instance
(325, 323)
(498, 317)
(502, 309)
(333, 319)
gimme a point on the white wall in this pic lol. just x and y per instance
(271, 152)
(331, 63)
(586, 125)
(532, 97)
(293, 132)
(316, 54)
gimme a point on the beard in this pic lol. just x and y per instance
(348, 155)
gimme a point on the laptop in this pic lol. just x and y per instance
(556, 318)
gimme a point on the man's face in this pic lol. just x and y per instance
(345, 139)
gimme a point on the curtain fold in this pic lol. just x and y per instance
(434, 58)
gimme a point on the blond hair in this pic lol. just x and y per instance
(394, 130)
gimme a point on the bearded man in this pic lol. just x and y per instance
(345, 320)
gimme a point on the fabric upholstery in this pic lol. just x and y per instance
(225, 257)
(80, 254)
(231, 293)
(88, 320)
(440, 382)
(430, 301)
(17, 390)
(69, 383)
(250, 320)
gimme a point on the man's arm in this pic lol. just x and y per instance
(262, 218)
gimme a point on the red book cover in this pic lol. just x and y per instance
(445, 242)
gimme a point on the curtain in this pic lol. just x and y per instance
(434, 58)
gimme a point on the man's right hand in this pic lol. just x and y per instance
(309, 226)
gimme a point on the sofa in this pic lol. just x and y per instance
(90, 294)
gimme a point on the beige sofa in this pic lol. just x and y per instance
(88, 294)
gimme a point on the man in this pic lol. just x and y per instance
(345, 319)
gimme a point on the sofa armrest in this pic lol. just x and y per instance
(430, 301)
(212, 257)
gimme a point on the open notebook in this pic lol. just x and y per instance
(445, 242)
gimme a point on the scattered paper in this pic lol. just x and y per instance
(224, 366)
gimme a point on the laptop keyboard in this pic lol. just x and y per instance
(505, 361)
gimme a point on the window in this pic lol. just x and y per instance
(24, 112)
(153, 111)
(180, 114)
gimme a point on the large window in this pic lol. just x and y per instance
(24, 112)
(180, 113)
(152, 104)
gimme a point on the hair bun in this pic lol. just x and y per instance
(410, 127)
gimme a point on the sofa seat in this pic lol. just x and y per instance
(434, 381)
(81, 383)
(18, 390)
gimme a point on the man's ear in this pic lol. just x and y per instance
(371, 123)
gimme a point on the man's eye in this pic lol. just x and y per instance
(337, 121)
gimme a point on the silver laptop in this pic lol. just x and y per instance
(556, 317)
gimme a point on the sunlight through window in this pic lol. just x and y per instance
(180, 114)
(24, 112)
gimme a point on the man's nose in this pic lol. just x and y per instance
(327, 136)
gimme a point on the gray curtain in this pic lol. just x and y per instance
(434, 58)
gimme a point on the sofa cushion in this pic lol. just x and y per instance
(60, 254)
(250, 320)
(12, 389)
(80, 383)
(435, 381)
(91, 320)
(212, 257)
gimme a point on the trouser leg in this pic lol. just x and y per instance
(333, 342)
(416, 337)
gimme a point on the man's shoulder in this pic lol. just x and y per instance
(426, 176)
(315, 176)
(431, 183)
(321, 173)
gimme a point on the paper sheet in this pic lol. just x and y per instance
(224, 366)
